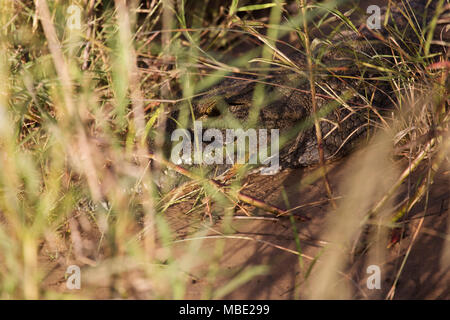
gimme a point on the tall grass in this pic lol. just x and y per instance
(84, 111)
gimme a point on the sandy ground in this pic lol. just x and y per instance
(426, 274)
(270, 241)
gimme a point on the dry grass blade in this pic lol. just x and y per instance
(312, 83)
(218, 186)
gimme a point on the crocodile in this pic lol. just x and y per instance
(350, 90)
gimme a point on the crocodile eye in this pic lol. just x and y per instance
(214, 112)
(208, 108)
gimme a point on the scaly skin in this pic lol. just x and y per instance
(344, 87)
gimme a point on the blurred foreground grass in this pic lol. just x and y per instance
(79, 105)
